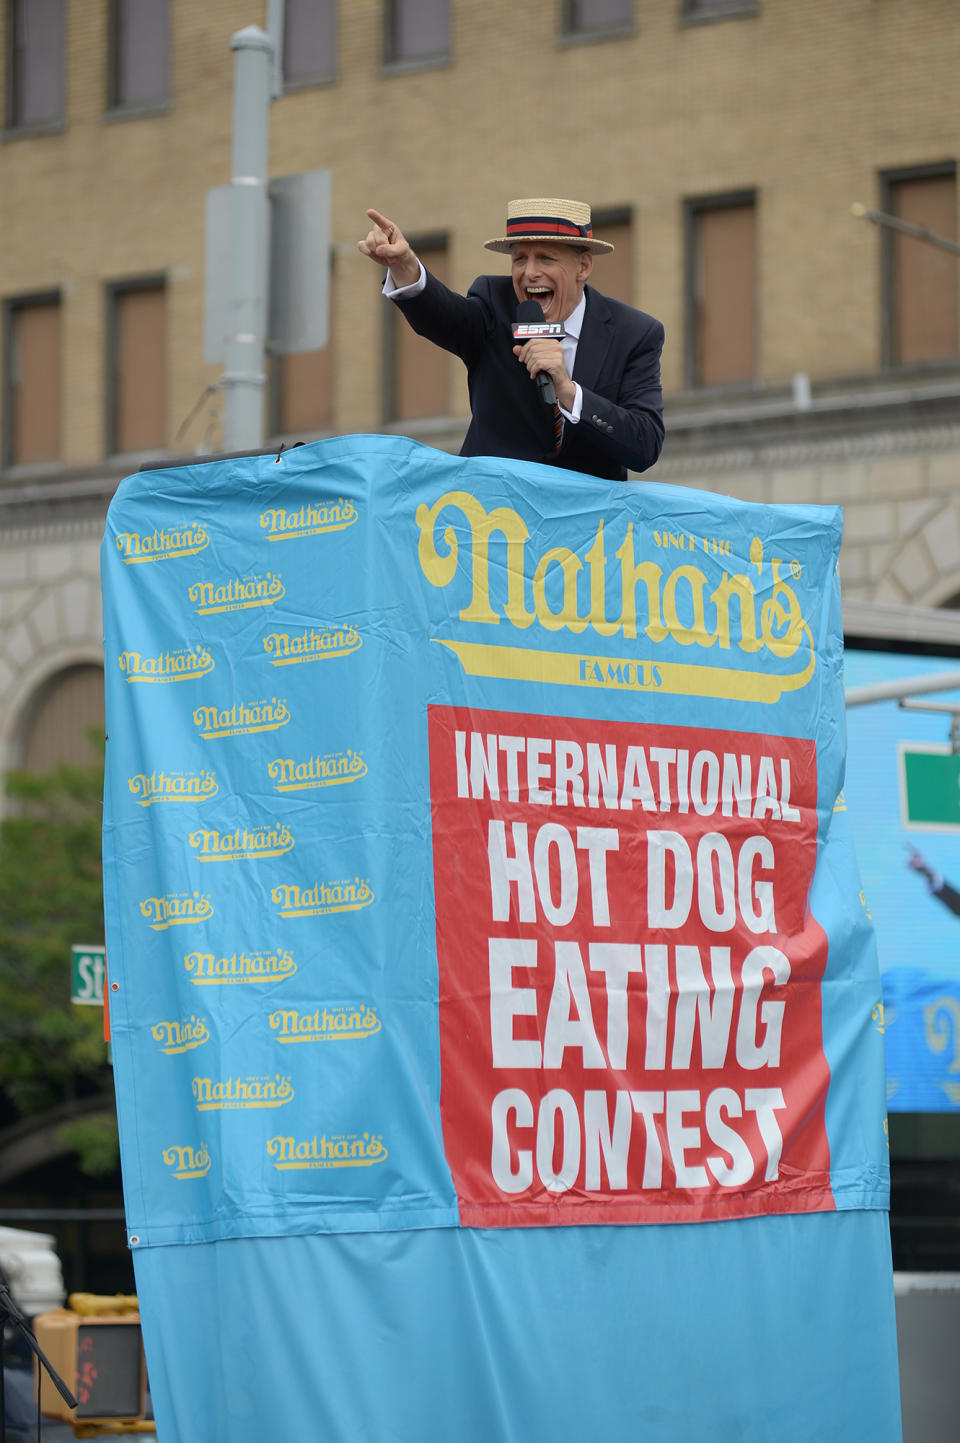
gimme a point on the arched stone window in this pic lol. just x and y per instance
(56, 724)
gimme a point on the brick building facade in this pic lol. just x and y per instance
(810, 355)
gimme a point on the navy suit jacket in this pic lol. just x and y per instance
(617, 367)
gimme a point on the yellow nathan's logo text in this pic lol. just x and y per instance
(244, 845)
(293, 900)
(173, 787)
(336, 1150)
(162, 544)
(176, 909)
(217, 1094)
(181, 1036)
(206, 969)
(188, 1162)
(333, 768)
(326, 1024)
(167, 666)
(564, 592)
(291, 648)
(311, 519)
(242, 718)
(238, 593)
(941, 1022)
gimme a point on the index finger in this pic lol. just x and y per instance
(381, 221)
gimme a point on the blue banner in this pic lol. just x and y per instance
(906, 829)
(478, 875)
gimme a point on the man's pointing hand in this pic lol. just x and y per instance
(386, 244)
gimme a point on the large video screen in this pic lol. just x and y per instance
(902, 792)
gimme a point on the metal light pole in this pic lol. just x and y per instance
(905, 227)
(244, 379)
(895, 690)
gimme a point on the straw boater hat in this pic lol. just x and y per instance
(549, 220)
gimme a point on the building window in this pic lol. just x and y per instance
(60, 718)
(920, 279)
(301, 390)
(596, 18)
(417, 31)
(721, 343)
(698, 10)
(417, 372)
(309, 41)
(137, 365)
(36, 68)
(33, 381)
(139, 53)
(303, 393)
(613, 274)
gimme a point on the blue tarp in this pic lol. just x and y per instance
(496, 1017)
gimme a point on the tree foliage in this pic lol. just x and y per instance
(51, 896)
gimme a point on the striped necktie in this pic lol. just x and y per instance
(557, 427)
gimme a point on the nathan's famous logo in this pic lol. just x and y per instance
(216, 1095)
(310, 519)
(173, 787)
(290, 775)
(182, 1036)
(561, 591)
(167, 666)
(206, 969)
(326, 1024)
(176, 909)
(240, 593)
(243, 845)
(187, 1162)
(162, 545)
(941, 1025)
(242, 718)
(339, 1150)
(287, 648)
(292, 900)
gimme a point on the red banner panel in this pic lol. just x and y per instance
(630, 1017)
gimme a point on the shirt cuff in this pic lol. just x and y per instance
(573, 415)
(399, 293)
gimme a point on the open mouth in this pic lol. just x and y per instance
(543, 294)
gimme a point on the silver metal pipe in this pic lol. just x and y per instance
(244, 379)
(894, 690)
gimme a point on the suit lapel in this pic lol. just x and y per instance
(596, 336)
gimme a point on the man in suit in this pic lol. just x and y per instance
(608, 415)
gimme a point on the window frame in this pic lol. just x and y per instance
(36, 707)
(393, 64)
(889, 335)
(315, 79)
(694, 207)
(434, 241)
(11, 306)
(605, 219)
(14, 129)
(115, 108)
(709, 12)
(113, 291)
(276, 378)
(569, 33)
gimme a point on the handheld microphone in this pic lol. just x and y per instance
(529, 324)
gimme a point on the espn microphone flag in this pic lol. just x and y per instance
(490, 958)
(530, 325)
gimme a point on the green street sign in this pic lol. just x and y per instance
(88, 970)
(930, 787)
